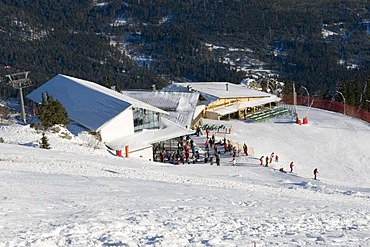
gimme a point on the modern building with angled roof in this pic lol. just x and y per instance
(181, 106)
(224, 100)
(117, 118)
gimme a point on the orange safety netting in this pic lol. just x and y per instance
(330, 105)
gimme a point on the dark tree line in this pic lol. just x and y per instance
(72, 37)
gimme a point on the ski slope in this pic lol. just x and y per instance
(78, 195)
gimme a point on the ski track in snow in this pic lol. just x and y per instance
(178, 219)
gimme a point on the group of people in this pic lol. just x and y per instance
(228, 147)
(265, 161)
(268, 159)
(291, 165)
(187, 152)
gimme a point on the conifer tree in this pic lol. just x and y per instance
(117, 88)
(108, 83)
(52, 112)
(44, 143)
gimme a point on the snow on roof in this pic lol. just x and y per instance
(242, 105)
(221, 89)
(198, 110)
(174, 87)
(179, 105)
(227, 110)
(87, 103)
(146, 138)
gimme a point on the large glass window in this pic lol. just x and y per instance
(145, 119)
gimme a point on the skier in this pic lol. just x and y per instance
(276, 158)
(315, 172)
(211, 160)
(245, 148)
(213, 138)
(261, 160)
(282, 170)
(267, 160)
(187, 155)
(182, 158)
(234, 151)
(233, 161)
(291, 166)
(161, 156)
(271, 157)
(225, 147)
(198, 131)
(207, 144)
(218, 159)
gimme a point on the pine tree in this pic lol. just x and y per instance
(52, 112)
(117, 88)
(44, 142)
(108, 83)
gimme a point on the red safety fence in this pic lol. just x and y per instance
(330, 105)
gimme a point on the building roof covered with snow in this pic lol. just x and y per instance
(86, 102)
(217, 90)
(226, 100)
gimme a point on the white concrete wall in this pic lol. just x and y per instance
(120, 126)
(146, 153)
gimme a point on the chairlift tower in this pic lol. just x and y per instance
(19, 81)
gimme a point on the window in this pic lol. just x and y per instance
(145, 119)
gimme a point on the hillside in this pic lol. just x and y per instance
(77, 195)
(138, 43)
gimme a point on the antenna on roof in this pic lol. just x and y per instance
(19, 80)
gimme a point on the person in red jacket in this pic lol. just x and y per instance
(207, 144)
(291, 166)
(261, 160)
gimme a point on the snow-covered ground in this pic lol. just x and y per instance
(77, 194)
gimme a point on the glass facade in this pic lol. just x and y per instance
(145, 119)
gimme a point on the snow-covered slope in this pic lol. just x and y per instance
(77, 194)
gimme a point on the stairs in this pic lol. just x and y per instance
(267, 114)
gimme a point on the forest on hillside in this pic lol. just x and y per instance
(52, 37)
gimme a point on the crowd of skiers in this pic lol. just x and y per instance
(188, 152)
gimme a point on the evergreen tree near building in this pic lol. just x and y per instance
(52, 112)
(108, 83)
(44, 143)
(117, 88)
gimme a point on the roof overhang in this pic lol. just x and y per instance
(145, 138)
(243, 105)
